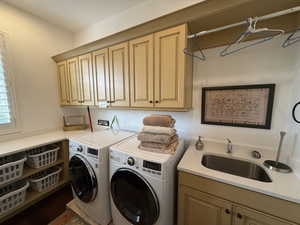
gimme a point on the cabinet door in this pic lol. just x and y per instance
(170, 63)
(63, 83)
(198, 208)
(101, 74)
(119, 75)
(86, 81)
(244, 216)
(141, 72)
(72, 65)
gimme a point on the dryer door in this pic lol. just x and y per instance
(134, 197)
(83, 178)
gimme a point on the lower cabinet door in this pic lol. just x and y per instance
(198, 208)
(244, 216)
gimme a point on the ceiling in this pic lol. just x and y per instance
(74, 15)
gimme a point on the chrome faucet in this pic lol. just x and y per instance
(229, 146)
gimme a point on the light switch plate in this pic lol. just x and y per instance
(103, 123)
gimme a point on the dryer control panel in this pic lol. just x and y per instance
(152, 167)
(135, 163)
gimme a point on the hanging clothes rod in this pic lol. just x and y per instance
(266, 17)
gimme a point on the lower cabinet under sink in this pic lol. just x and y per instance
(203, 201)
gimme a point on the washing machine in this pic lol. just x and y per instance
(88, 167)
(142, 184)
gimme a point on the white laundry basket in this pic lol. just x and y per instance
(11, 167)
(42, 156)
(46, 179)
(12, 195)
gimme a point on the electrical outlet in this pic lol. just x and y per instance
(103, 123)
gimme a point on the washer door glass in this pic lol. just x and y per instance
(134, 197)
(83, 178)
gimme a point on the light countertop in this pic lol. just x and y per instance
(22, 144)
(284, 186)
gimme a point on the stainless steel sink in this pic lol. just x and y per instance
(236, 167)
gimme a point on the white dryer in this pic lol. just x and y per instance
(88, 167)
(142, 184)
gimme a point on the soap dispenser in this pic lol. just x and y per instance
(199, 144)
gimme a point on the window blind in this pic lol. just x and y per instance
(5, 104)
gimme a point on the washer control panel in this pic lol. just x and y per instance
(76, 148)
(79, 148)
(92, 152)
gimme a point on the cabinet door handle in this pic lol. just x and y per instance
(294, 112)
(239, 216)
(108, 102)
(150, 101)
(156, 101)
(227, 211)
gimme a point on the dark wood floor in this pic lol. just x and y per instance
(45, 211)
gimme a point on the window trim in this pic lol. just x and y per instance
(12, 127)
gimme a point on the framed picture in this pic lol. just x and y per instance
(238, 106)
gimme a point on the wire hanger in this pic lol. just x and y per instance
(250, 31)
(201, 57)
(115, 121)
(292, 39)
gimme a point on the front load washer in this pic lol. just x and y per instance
(88, 167)
(142, 184)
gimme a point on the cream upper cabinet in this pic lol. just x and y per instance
(141, 72)
(150, 72)
(170, 67)
(101, 75)
(63, 83)
(86, 81)
(119, 75)
(244, 216)
(73, 74)
(198, 208)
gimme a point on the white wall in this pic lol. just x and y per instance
(267, 63)
(294, 128)
(32, 42)
(134, 16)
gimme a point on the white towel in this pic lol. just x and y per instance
(159, 130)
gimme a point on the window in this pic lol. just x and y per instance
(7, 109)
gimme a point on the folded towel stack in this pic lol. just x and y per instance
(159, 120)
(158, 134)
